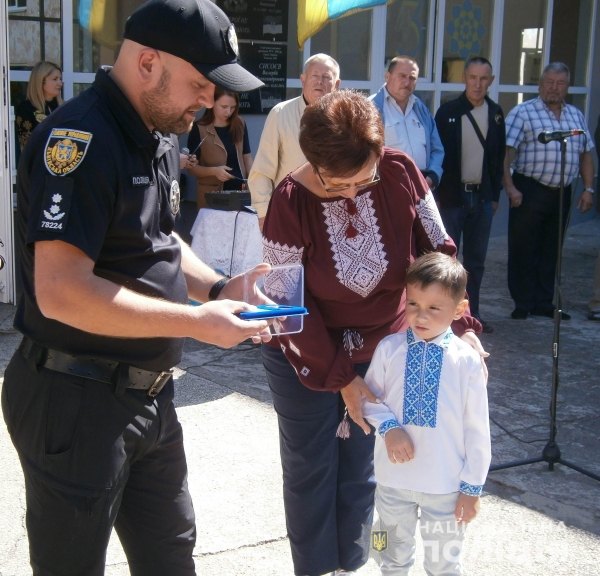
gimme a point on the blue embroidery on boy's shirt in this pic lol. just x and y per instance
(422, 380)
(470, 489)
(387, 426)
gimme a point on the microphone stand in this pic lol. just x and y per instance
(551, 452)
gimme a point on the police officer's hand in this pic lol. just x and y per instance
(219, 324)
(234, 289)
(221, 173)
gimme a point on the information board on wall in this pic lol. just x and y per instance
(261, 28)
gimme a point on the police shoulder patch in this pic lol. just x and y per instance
(65, 150)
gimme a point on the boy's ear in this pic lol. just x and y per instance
(460, 309)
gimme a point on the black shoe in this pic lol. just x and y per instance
(486, 328)
(550, 314)
(518, 314)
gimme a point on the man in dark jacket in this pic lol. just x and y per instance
(472, 131)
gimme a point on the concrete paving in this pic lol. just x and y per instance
(533, 522)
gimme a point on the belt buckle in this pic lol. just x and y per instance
(159, 383)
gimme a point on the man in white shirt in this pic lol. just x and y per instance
(409, 125)
(279, 152)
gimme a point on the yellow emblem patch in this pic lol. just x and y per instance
(65, 150)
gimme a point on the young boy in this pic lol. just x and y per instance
(433, 438)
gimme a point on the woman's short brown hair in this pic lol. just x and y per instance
(340, 133)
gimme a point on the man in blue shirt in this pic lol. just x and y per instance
(409, 125)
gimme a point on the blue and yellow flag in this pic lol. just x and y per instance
(99, 17)
(315, 14)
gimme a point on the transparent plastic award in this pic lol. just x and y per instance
(283, 285)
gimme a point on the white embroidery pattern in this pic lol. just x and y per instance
(430, 218)
(280, 283)
(305, 371)
(360, 261)
(294, 348)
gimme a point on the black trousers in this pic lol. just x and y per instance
(533, 244)
(328, 484)
(93, 460)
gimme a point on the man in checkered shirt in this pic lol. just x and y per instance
(533, 189)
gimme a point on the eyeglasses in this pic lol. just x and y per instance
(358, 185)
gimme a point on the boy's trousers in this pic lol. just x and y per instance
(442, 536)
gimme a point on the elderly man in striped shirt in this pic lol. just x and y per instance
(533, 189)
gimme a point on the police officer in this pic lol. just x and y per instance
(87, 397)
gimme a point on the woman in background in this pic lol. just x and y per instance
(224, 159)
(43, 97)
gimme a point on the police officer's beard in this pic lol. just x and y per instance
(161, 111)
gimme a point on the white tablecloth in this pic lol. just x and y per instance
(216, 232)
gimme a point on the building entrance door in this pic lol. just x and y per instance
(7, 263)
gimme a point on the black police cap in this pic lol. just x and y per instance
(196, 31)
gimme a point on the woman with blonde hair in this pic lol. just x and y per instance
(43, 97)
(224, 159)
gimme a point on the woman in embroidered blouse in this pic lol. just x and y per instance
(355, 215)
(43, 97)
(225, 158)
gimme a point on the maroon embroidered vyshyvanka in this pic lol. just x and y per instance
(355, 254)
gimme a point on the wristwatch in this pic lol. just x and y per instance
(590, 190)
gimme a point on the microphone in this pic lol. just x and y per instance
(185, 151)
(547, 136)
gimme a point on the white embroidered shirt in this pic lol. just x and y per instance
(437, 392)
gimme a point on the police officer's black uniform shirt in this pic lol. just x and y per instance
(95, 177)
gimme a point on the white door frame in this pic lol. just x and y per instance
(7, 273)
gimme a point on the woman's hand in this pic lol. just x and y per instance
(471, 339)
(220, 172)
(353, 397)
(187, 161)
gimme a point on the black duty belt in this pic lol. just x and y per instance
(106, 371)
(471, 187)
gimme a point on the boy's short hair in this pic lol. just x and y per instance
(438, 268)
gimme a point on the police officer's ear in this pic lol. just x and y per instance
(149, 65)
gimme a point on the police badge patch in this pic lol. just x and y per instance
(65, 150)
(175, 197)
